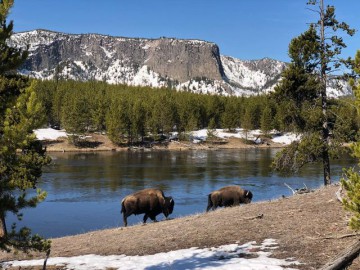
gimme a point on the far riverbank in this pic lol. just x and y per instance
(100, 142)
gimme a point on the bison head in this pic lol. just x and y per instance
(248, 196)
(168, 206)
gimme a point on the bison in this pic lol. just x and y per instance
(228, 196)
(150, 202)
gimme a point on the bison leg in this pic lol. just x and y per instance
(152, 217)
(125, 216)
(234, 202)
(210, 204)
(145, 218)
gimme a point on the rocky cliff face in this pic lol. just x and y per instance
(190, 65)
(99, 55)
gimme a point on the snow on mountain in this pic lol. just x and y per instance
(184, 65)
(252, 76)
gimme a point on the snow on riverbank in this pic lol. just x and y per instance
(287, 138)
(246, 257)
(49, 133)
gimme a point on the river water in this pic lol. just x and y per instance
(85, 189)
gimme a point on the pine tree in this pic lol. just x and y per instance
(351, 181)
(10, 58)
(138, 119)
(75, 116)
(247, 122)
(21, 155)
(266, 120)
(314, 55)
(230, 116)
(118, 122)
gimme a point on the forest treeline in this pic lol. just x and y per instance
(128, 114)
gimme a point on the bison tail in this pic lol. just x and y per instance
(210, 203)
(122, 206)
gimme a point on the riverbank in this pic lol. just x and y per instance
(100, 142)
(310, 228)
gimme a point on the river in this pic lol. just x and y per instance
(85, 189)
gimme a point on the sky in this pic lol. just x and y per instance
(245, 29)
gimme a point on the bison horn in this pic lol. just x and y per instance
(247, 193)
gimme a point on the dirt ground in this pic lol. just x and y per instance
(311, 228)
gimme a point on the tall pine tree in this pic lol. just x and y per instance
(315, 55)
(21, 155)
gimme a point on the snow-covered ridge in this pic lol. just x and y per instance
(45, 37)
(35, 38)
(261, 75)
(181, 64)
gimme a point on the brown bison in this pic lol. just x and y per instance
(228, 196)
(150, 202)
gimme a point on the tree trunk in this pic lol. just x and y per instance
(325, 127)
(3, 230)
(344, 259)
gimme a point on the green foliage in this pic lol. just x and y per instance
(10, 58)
(266, 120)
(118, 121)
(304, 51)
(230, 118)
(299, 153)
(298, 90)
(302, 97)
(129, 113)
(351, 183)
(21, 155)
(351, 180)
(20, 171)
(75, 116)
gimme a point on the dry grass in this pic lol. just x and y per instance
(308, 227)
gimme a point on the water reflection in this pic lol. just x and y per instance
(85, 189)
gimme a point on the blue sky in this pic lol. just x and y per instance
(245, 29)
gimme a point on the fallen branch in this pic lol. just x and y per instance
(303, 190)
(342, 236)
(293, 191)
(344, 259)
(338, 194)
(260, 216)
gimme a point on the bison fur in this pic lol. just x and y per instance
(228, 196)
(150, 202)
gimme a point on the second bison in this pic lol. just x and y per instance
(228, 196)
(150, 202)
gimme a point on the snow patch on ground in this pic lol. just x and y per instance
(49, 133)
(287, 138)
(253, 135)
(234, 256)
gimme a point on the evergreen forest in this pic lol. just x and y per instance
(130, 114)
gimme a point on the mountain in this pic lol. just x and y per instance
(186, 65)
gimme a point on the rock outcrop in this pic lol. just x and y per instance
(191, 65)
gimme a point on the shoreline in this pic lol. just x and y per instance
(103, 144)
(309, 227)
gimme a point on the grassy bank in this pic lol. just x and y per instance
(312, 228)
